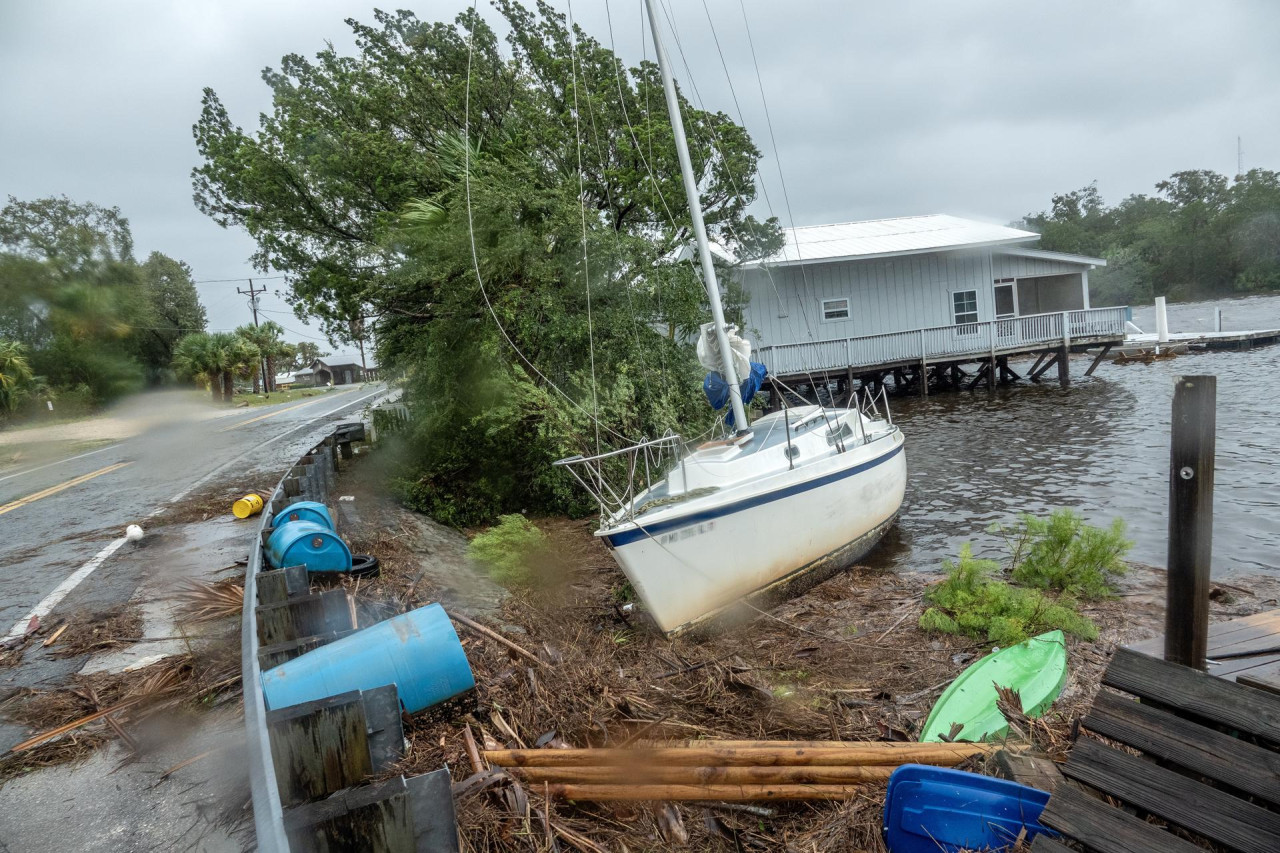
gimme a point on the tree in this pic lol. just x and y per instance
(305, 353)
(15, 375)
(174, 310)
(355, 186)
(196, 357)
(267, 338)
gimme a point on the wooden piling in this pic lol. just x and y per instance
(1191, 465)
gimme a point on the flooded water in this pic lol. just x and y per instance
(1100, 447)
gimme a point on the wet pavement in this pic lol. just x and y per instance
(57, 517)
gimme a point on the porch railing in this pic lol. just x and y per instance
(944, 342)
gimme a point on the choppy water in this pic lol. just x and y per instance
(1101, 447)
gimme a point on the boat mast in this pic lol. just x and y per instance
(699, 228)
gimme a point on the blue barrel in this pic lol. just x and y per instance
(305, 543)
(304, 511)
(417, 651)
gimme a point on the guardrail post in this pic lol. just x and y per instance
(1191, 466)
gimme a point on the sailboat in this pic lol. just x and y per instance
(794, 496)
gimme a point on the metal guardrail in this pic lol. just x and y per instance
(313, 483)
(941, 342)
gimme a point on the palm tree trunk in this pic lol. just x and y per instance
(270, 378)
(228, 386)
(215, 387)
(256, 388)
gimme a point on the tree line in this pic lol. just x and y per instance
(510, 233)
(82, 322)
(1201, 235)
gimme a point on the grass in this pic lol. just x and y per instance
(1054, 562)
(511, 550)
(283, 396)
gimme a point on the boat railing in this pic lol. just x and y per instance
(874, 404)
(616, 477)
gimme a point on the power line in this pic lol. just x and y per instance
(229, 280)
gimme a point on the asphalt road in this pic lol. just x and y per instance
(61, 521)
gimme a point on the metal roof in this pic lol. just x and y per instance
(878, 238)
(1045, 254)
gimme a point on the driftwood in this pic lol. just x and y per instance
(761, 755)
(730, 793)
(683, 775)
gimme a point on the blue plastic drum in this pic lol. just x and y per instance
(304, 511)
(417, 651)
(305, 543)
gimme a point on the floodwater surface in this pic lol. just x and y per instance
(1100, 447)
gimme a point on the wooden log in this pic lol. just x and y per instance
(644, 775)
(864, 755)
(703, 793)
(1191, 468)
(496, 637)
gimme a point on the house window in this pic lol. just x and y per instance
(835, 309)
(964, 304)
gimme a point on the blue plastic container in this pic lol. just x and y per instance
(305, 543)
(936, 809)
(304, 511)
(417, 651)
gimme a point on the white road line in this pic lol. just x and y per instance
(44, 608)
(51, 600)
(59, 462)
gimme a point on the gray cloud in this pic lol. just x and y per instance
(981, 108)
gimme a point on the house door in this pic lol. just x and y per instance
(1006, 305)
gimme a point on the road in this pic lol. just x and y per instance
(61, 521)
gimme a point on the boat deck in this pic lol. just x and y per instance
(1207, 769)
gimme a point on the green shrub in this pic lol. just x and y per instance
(1064, 553)
(973, 601)
(511, 550)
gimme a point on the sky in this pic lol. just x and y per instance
(982, 108)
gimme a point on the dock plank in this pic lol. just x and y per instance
(1045, 844)
(1263, 678)
(1197, 748)
(1107, 829)
(1190, 691)
(1208, 811)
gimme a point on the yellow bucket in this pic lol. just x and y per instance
(247, 506)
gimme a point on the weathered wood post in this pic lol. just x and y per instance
(1191, 445)
(1064, 353)
(991, 362)
(924, 368)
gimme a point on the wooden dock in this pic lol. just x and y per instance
(1207, 766)
(945, 357)
(1203, 340)
(1246, 650)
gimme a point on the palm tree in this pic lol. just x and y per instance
(15, 374)
(243, 359)
(267, 338)
(198, 356)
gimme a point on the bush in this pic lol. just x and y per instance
(511, 550)
(973, 601)
(1063, 553)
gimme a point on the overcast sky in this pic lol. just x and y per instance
(980, 108)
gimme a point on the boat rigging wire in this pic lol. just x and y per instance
(471, 233)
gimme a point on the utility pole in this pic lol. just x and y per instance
(253, 306)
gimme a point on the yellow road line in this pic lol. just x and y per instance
(286, 409)
(53, 490)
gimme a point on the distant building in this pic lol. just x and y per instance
(327, 371)
(867, 298)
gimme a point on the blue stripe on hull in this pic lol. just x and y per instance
(628, 536)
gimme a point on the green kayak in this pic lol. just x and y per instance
(1036, 668)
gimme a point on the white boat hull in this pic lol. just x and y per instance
(686, 568)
